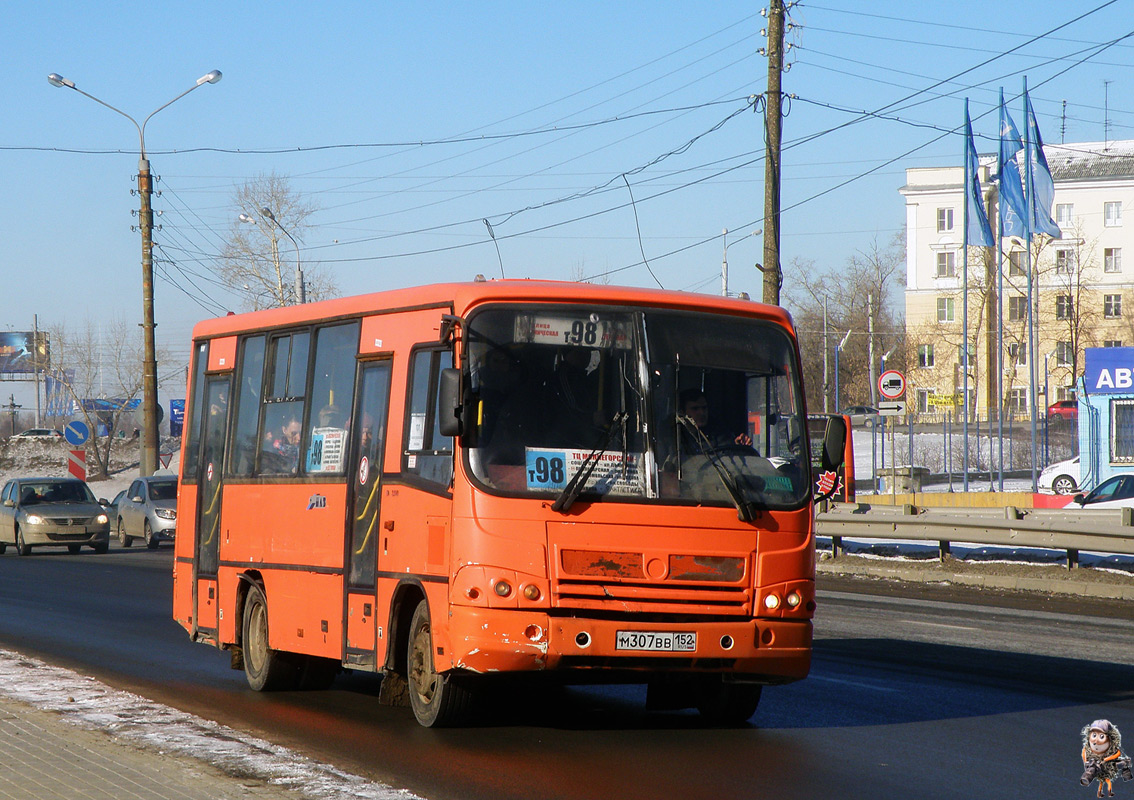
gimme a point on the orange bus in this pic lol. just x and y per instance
(456, 483)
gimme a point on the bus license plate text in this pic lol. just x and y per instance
(660, 641)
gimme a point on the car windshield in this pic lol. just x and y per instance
(636, 405)
(163, 490)
(55, 492)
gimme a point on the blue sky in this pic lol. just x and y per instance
(410, 123)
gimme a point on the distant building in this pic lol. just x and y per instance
(1083, 290)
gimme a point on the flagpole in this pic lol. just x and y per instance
(1029, 193)
(965, 308)
(998, 385)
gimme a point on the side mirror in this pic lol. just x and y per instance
(10, 503)
(1079, 498)
(102, 501)
(831, 456)
(449, 402)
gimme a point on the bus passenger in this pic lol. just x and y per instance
(694, 407)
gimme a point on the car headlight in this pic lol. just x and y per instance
(34, 519)
(166, 513)
(102, 519)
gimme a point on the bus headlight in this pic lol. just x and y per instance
(771, 601)
(793, 599)
(502, 588)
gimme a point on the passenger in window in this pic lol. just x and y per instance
(570, 401)
(330, 417)
(285, 445)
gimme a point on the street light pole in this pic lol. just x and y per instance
(300, 289)
(146, 217)
(838, 348)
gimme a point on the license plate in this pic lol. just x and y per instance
(656, 641)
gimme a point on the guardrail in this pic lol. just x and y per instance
(1102, 530)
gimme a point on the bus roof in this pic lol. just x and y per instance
(461, 297)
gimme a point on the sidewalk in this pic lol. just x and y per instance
(46, 758)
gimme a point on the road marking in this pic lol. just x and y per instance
(941, 625)
(858, 684)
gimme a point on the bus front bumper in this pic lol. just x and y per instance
(497, 640)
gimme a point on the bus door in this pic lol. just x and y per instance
(365, 646)
(209, 485)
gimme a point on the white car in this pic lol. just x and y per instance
(1061, 477)
(1117, 491)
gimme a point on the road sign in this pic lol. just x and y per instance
(77, 464)
(891, 409)
(891, 384)
(76, 433)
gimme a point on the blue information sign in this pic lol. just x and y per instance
(76, 433)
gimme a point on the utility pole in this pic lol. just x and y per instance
(826, 351)
(12, 406)
(773, 277)
(149, 345)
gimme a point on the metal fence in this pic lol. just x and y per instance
(1102, 531)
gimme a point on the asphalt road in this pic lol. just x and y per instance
(926, 695)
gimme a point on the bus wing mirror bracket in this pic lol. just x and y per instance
(449, 402)
(834, 446)
(449, 324)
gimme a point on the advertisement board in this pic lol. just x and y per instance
(18, 354)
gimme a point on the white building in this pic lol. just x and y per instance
(1083, 293)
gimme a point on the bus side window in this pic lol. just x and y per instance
(428, 454)
(249, 387)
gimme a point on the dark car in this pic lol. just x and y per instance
(58, 512)
(148, 511)
(1063, 411)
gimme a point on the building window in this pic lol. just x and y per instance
(946, 265)
(1112, 306)
(944, 309)
(925, 355)
(923, 400)
(1064, 262)
(961, 355)
(944, 220)
(1016, 263)
(1122, 430)
(1064, 355)
(1112, 343)
(1017, 308)
(1063, 306)
(1018, 354)
(1112, 214)
(1063, 214)
(1112, 259)
(1017, 400)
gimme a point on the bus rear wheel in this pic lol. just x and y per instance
(437, 699)
(722, 703)
(266, 669)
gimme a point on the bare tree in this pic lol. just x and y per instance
(875, 273)
(99, 367)
(260, 256)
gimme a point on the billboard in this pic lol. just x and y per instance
(19, 354)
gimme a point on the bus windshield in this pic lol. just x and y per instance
(636, 404)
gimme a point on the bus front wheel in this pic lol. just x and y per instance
(266, 669)
(722, 703)
(437, 698)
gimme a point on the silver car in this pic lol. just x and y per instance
(59, 512)
(148, 511)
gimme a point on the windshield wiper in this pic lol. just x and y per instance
(575, 486)
(728, 479)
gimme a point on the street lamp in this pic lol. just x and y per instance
(724, 257)
(838, 349)
(300, 286)
(146, 218)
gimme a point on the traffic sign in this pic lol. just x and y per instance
(892, 409)
(891, 384)
(76, 433)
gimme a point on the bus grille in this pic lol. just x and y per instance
(621, 582)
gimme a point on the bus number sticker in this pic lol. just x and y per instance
(327, 451)
(614, 472)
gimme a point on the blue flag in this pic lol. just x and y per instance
(1042, 189)
(977, 230)
(1013, 210)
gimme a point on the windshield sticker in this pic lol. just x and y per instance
(328, 448)
(416, 431)
(614, 472)
(573, 331)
